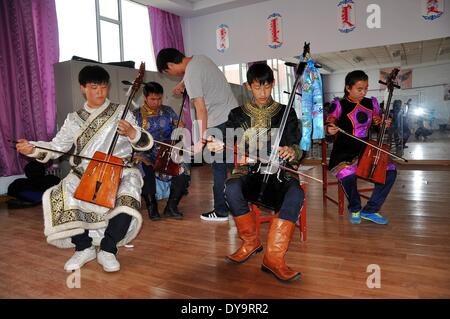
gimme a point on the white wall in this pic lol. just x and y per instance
(427, 88)
(305, 20)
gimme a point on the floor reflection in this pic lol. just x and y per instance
(434, 147)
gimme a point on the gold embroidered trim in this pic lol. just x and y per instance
(41, 156)
(83, 114)
(147, 111)
(129, 201)
(61, 216)
(95, 125)
(261, 117)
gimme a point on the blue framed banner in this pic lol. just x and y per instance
(274, 31)
(346, 21)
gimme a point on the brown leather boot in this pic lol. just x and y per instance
(280, 234)
(246, 226)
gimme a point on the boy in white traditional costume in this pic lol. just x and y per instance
(71, 222)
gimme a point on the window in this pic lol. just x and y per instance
(109, 9)
(105, 31)
(137, 38)
(243, 73)
(284, 79)
(77, 28)
(109, 31)
(110, 42)
(232, 73)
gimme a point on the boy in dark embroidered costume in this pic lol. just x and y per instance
(355, 114)
(160, 121)
(70, 222)
(263, 113)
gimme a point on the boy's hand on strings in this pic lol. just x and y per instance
(198, 147)
(126, 129)
(214, 145)
(286, 153)
(24, 147)
(388, 121)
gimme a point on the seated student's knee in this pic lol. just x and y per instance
(297, 190)
(295, 194)
(233, 186)
(391, 176)
(120, 219)
(349, 178)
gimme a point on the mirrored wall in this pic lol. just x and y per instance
(420, 108)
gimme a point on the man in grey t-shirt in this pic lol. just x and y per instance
(213, 100)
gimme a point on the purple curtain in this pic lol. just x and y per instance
(166, 32)
(28, 50)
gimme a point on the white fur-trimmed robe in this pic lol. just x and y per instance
(91, 130)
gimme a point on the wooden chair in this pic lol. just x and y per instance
(301, 223)
(340, 201)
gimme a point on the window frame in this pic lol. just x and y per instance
(118, 22)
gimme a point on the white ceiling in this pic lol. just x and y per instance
(405, 54)
(192, 8)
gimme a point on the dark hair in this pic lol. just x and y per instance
(260, 73)
(353, 77)
(93, 74)
(152, 88)
(168, 55)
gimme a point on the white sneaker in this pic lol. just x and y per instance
(108, 261)
(213, 216)
(80, 258)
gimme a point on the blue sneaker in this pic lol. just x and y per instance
(355, 218)
(375, 217)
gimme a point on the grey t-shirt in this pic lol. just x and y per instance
(203, 78)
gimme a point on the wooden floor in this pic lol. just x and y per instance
(184, 259)
(436, 147)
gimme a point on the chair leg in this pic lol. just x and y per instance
(341, 200)
(303, 216)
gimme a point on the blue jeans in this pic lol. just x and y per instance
(290, 208)
(379, 194)
(220, 176)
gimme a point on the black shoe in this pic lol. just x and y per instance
(152, 207)
(178, 188)
(172, 212)
(154, 215)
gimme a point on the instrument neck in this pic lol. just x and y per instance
(183, 101)
(383, 129)
(124, 115)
